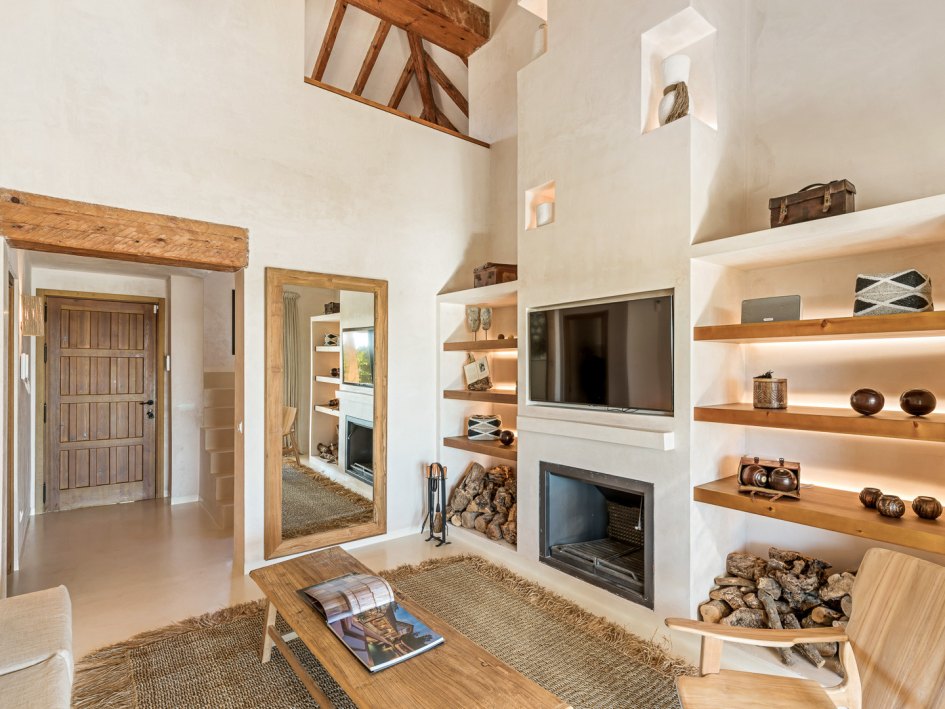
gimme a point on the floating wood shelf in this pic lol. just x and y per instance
(328, 348)
(481, 345)
(827, 508)
(328, 380)
(904, 325)
(493, 448)
(328, 411)
(885, 424)
(491, 397)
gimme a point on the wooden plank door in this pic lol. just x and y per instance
(101, 402)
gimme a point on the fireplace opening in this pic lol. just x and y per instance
(598, 528)
(359, 449)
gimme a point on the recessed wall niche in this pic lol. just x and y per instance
(689, 33)
(540, 205)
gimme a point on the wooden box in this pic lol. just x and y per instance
(813, 202)
(491, 273)
(749, 463)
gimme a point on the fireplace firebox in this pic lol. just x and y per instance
(359, 449)
(598, 528)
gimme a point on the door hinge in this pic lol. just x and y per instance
(44, 412)
(45, 312)
(155, 308)
(44, 493)
(45, 353)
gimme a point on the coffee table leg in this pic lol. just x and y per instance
(266, 652)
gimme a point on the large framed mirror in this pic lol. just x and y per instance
(326, 410)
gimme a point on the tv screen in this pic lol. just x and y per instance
(357, 356)
(616, 355)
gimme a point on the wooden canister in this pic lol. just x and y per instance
(770, 393)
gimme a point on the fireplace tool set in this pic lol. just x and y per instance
(436, 503)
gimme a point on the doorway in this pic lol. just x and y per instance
(10, 439)
(103, 408)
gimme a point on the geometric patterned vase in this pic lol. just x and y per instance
(891, 293)
(483, 427)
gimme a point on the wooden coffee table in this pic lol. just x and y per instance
(457, 673)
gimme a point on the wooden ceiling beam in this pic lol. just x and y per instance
(402, 83)
(328, 42)
(458, 26)
(371, 57)
(448, 86)
(419, 56)
(38, 223)
(443, 120)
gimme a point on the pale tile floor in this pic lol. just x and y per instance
(139, 566)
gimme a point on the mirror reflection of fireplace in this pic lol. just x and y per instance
(359, 449)
(598, 528)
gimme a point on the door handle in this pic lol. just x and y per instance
(149, 402)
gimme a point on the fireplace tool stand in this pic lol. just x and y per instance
(436, 503)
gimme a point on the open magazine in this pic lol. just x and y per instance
(362, 611)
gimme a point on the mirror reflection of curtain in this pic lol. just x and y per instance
(290, 349)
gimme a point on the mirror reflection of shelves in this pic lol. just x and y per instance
(324, 422)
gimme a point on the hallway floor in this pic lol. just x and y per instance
(131, 567)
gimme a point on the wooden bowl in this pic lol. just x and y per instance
(917, 402)
(869, 496)
(867, 401)
(927, 507)
(891, 506)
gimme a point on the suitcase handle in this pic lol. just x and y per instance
(825, 208)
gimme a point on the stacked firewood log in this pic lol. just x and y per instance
(787, 590)
(485, 501)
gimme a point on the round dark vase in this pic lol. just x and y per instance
(867, 401)
(917, 402)
(754, 475)
(891, 506)
(869, 496)
(506, 438)
(782, 480)
(927, 507)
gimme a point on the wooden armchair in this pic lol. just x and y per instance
(893, 649)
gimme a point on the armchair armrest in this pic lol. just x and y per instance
(762, 637)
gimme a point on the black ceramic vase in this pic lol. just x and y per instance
(917, 402)
(867, 401)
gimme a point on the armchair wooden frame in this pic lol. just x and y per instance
(276, 280)
(846, 694)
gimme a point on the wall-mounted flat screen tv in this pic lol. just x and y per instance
(615, 355)
(357, 356)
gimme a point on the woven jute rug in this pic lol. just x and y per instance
(212, 661)
(312, 503)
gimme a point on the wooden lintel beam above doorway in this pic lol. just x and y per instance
(371, 57)
(328, 42)
(448, 86)
(419, 56)
(39, 223)
(458, 26)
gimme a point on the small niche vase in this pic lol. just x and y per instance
(891, 506)
(676, 102)
(927, 507)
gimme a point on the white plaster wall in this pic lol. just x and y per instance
(23, 429)
(218, 322)
(222, 127)
(185, 342)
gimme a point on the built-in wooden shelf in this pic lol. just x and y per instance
(328, 348)
(493, 448)
(490, 397)
(930, 324)
(328, 380)
(327, 410)
(827, 508)
(481, 345)
(886, 424)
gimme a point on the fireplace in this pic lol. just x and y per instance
(359, 449)
(598, 528)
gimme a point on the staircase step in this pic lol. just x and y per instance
(218, 417)
(222, 462)
(213, 398)
(224, 488)
(218, 380)
(219, 439)
(226, 514)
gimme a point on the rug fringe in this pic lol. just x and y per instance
(653, 654)
(103, 678)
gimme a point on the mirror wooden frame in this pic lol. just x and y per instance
(276, 280)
